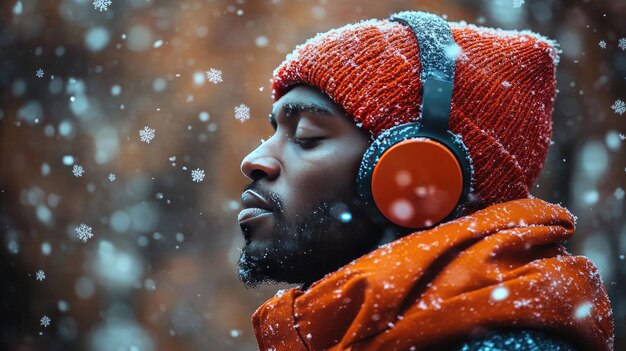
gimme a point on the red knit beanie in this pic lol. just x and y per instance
(504, 89)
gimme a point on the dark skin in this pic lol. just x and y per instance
(307, 171)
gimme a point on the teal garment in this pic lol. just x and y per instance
(516, 340)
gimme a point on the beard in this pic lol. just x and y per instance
(305, 248)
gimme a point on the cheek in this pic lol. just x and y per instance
(330, 178)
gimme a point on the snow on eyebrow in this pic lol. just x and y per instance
(291, 109)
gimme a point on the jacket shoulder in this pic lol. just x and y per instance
(518, 340)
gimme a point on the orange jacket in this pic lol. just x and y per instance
(502, 266)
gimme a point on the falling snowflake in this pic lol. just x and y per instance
(40, 275)
(101, 5)
(518, 3)
(602, 44)
(112, 177)
(242, 113)
(619, 106)
(83, 232)
(45, 321)
(619, 193)
(583, 310)
(214, 75)
(39, 73)
(146, 134)
(78, 170)
(521, 303)
(622, 136)
(622, 44)
(197, 175)
(500, 293)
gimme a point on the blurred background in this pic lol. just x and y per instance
(79, 80)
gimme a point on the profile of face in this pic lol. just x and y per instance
(302, 217)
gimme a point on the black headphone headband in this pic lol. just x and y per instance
(437, 51)
(435, 41)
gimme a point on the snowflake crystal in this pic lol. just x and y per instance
(602, 44)
(101, 5)
(39, 73)
(40, 275)
(214, 75)
(518, 3)
(619, 106)
(146, 134)
(242, 113)
(619, 193)
(197, 175)
(45, 321)
(112, 177)
(622, 44)
(78, 170)
(83, 232)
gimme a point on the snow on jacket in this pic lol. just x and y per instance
(502, 266)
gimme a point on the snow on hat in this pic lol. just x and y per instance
(504, 90)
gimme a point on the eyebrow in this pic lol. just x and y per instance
(291, 109)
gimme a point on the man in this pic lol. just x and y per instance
(381, 273)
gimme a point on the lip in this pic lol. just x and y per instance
(252, 199)
(255, 207)
(248, 215)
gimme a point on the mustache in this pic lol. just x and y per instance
(272, 198)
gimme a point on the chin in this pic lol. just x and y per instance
(255, 265)
(265, 263)
(303, 252)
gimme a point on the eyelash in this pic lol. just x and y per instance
(299, 141)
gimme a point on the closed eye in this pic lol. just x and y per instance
(307, 143)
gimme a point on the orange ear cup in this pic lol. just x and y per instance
(417, 183)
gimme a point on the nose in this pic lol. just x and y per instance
(260, 163)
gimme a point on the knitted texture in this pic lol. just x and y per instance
(502, 100)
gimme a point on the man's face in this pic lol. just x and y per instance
(306, 172)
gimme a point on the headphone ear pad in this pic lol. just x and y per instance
(416, 183)
(414, 178)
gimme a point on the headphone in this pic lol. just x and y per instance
(419, 174)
